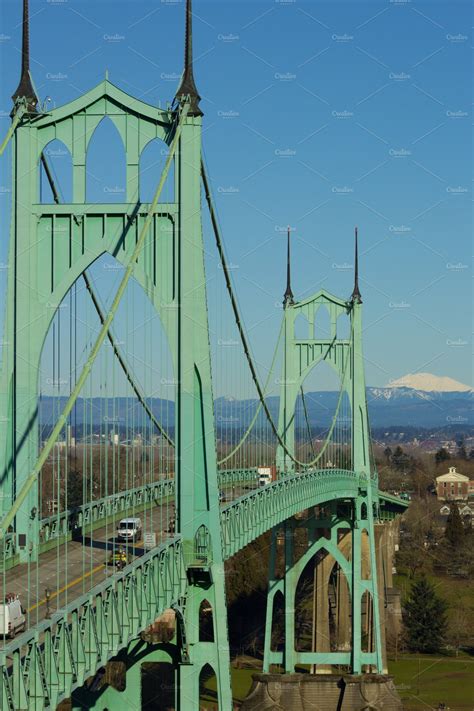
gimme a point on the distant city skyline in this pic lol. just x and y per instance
(318, 115)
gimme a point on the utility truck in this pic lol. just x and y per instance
(12, 616)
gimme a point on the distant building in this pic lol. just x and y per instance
(452, 486)
(465, 510)
(450, 445)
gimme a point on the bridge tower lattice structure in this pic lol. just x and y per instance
(339, 519)
(44, 265)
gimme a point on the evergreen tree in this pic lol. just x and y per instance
(75, 494)
(424, 618)
(462, 454)
(442, 455)
(454, 532)
(400, 460)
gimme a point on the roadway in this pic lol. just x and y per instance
(71, 569)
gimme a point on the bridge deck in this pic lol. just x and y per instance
(70, 570)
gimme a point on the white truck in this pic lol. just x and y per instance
(130, 529)
(12, 616)
(266, 475)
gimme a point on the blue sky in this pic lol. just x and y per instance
(320, 115)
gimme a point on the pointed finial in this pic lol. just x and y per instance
(25, 88)
(356, 295)
(188, 85)
(288, 299)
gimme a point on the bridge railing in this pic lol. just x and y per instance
(44, 665)
(96, 513)
(234, 477)
(248, 517)
(253, 514)
(101, 509)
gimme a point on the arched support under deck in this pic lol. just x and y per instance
(354, 552)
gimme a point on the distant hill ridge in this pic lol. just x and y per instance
(392, 405)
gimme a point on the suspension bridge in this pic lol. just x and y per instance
(107, 411)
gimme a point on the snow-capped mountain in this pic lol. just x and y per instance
(428, 382)
(421, 399)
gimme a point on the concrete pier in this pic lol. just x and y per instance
(327, 692)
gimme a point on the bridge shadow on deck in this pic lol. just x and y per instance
(111, 544)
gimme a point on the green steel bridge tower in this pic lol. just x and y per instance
(52, 247)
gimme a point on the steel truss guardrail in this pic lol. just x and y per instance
(90, 515)
(44, 665)
(247, 518)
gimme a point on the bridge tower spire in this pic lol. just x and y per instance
(356, 295)
(25, 88)
(284, 461)
(187, 87)
(288, 299)
(360, 433)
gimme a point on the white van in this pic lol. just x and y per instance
(12, 616)
(130, 529)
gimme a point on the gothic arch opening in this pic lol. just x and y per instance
(343, 327)
(206, 622)
(323, 419)
(365, 557)
(367, 622)
(207, 686)
(106, 173)
(55, 166)
(323, 606)
(152, 161)
(278, 621)
(301, 326)
(313, 604)
(340, 611)
(322, 324)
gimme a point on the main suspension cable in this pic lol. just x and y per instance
(235, 308)
(240, 327)
(259, 408)
(16, 120)
(308, 426)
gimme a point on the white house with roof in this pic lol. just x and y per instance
(452, 486)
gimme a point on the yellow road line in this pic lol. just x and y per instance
(66, 587)
(78, 580)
